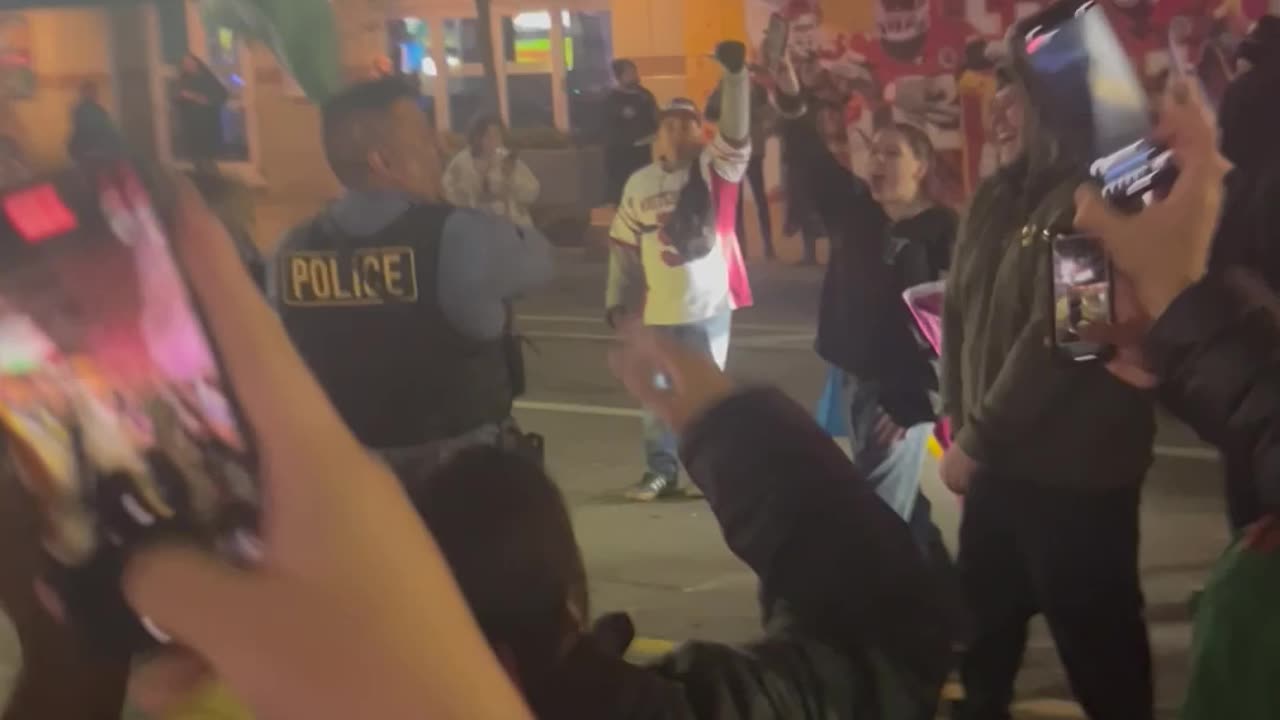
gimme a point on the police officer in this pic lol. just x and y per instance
(399, 302)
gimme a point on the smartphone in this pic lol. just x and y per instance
(114, 408)
(776, 36)
(1082, 294)
(1091, 98)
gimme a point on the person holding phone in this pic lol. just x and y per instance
(1209, 340)
(889, 233)
(1050, 454)
(488, 175)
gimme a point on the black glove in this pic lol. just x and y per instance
(732, 55)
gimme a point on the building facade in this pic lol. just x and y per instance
(552, 60)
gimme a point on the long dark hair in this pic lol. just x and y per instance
(479, 128)
(922, 148)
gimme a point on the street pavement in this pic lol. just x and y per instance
(665, 562)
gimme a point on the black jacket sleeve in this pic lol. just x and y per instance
(1217, 351)
(824, 546)
(826, 181)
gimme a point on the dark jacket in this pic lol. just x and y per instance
(1017, 406)
(1250, 220)
(853, 625)
(1248, 117)
(365, 312)
(61, 678)
(631, 116)
(1217, 350)
(864, 326)
(764, 116)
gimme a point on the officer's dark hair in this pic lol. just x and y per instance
(355, 123)
(479, 126)
(504, 529)
(621, 65)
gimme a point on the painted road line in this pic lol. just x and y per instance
(643, 647)
(1175, 452)
(576, 409)
(756, 342)
(599, 320)
(1050, 709)
(541, 335)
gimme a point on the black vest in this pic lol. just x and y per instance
(365, 315)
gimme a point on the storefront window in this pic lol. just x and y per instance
(588, 54)
(529, 101)
(224, 59)
(527, 38)
(172, 19)
(462, 42)
(527, 52)
(222, 131)
(409, 47)
(467, 99)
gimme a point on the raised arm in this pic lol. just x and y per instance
(825, 179)
(730, 151)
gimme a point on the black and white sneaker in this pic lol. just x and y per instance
(651, 487)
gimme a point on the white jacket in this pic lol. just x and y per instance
(469, 183)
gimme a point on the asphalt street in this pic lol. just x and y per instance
(665, 562)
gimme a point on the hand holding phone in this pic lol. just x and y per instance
(120, 420)
(774, 48)
(341, 541)
(1091, 98)
(1081, 296)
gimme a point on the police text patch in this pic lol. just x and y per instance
(369, 276)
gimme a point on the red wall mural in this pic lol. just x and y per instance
(930, 62)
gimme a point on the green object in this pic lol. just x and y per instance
(301, 34)
(1235, 651)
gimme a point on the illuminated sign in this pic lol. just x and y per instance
(38, 214)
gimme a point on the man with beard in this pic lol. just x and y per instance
(1050, 454)
(631, 120)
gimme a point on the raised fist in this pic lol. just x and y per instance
(732, 55)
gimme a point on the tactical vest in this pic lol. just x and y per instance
(365, 315)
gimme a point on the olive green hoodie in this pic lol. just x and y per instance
(1017, 407)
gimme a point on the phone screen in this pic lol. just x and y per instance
(1081, 293)
(117, 415)
(774, 47)
(1092, 98)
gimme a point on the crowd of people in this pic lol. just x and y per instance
(439, 575)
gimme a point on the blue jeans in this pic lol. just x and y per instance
(893, 471)
(710, 336)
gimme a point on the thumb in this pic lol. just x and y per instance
(1094, 215)
(194, 596)
(638, 376)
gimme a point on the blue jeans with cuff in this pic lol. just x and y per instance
(710, 336)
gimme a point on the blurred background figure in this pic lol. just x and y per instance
(93, 133)
(1250, 222)
(488, 175)
(630, 123)
(13, 162)
(199, 101)
(764, 123)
